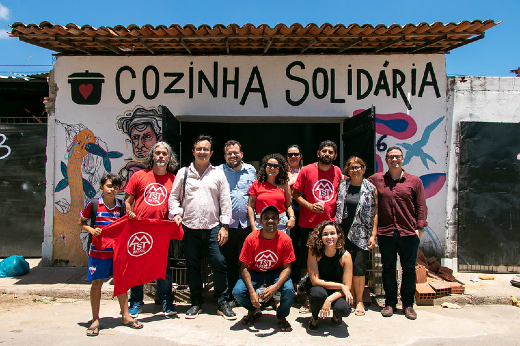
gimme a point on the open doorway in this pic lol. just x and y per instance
(260, 139)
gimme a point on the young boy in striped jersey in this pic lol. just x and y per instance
(100, 262)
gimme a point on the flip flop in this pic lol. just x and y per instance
(305, 309)
(284, 325)
(94, 330)
(133, 324)
(359, 312)
(249, 320)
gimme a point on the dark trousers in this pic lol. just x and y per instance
(164, 289)
(406, 247)
(317, 296)
(231, 251)
(197, 241)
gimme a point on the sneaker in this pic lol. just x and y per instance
(193, 312)
(135, 308)
(168, 308)
(225, 311)
(313, 328)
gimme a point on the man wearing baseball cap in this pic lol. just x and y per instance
(266, 269)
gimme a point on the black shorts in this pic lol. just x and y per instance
(359, 258)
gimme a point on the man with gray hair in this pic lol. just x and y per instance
(147, 196)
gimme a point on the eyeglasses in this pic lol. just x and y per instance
(355, 168)
(293, 154)
(273, 165)
(233, 153)
(397, 157)
(204, 149)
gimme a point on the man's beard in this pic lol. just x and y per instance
(160, 164)
(325, 161)
(233, 164)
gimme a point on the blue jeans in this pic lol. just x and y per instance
(197, 241)
(258, 279)
(164, 289)
(406, 247)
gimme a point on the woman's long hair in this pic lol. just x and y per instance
(315, 241)
(282, 177)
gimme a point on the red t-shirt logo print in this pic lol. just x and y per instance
(139, 244)
(323, 190)
(266, 260)
(155, 194)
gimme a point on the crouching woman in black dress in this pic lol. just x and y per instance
(330, 273)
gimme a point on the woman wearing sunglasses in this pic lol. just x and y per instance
(356, 212)
(271, 188)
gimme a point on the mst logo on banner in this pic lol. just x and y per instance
(139, 244)
(155, 194)
(266, 260)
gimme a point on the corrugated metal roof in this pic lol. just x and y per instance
(249, 39)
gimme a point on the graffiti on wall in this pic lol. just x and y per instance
(5, 150)
(143, 128)
(402, 126)
(85, 160)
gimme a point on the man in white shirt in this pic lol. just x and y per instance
(200, 200)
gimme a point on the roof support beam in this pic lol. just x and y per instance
(227, 46)
(309, 45)
(24, 38)
(106, 45)
(143, 43)
(350, 44)
(429, 43)
(389, 44)
(465, 42)
(73, 45)
(268, 45)
(182, 43)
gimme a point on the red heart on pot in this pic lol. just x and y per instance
(86, 90)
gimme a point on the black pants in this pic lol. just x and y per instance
(406, 247)
(231, 251)
(317, 296)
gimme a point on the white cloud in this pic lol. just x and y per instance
(4, 12)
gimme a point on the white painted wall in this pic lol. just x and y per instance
(279, 88)
(491, 99)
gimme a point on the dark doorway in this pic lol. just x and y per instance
(489, 196)
(260, 139)
(22, 163)
(359, 138)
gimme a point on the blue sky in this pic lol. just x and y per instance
(495, 55)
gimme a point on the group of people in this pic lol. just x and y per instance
(263, 231)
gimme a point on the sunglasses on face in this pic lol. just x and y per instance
(293, 154)
(355, 168)
(273, 165)
(397, 157)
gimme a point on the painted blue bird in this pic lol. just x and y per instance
(416, 149)
(95, 149)
(88, 189)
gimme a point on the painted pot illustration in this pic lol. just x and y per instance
(85, 87)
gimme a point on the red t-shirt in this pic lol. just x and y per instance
(318, 186)
(104, 217)
(151, 192)
(264, 255)
(140, 249)
(267, 194)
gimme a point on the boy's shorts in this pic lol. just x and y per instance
(99, 268)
